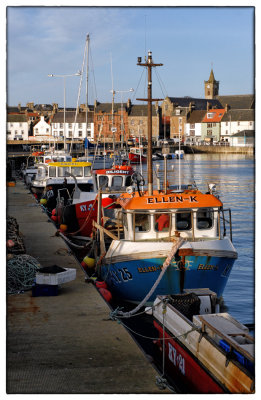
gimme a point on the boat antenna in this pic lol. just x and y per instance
(149, 64)
(112, 112)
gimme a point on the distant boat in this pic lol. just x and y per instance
(136, 155)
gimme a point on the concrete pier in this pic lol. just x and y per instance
(66, 343)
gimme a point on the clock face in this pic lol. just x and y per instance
(208, 86)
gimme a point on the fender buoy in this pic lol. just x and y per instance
(89, 262)
(54, 218)
(43, 202)
(106, 294)
(101, 284)
(10, 243)
(63, 227)
(54, 211)
(107, 201)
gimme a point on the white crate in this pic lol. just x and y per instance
(56, 279)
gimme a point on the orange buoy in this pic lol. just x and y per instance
(106, 294)
(63, 227)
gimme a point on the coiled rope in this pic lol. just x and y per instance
(118, 313)
(21, 270)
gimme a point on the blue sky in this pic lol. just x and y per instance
(187, 40)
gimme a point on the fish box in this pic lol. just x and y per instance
(55, 279)
(44, 290)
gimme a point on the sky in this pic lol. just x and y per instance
(188, 41)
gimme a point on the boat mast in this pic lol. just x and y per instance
(87, 79)
(149, 64)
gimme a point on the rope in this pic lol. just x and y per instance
(86, 219)
(21, 271)
(176, 245)
(71, 243)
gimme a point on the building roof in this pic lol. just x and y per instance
(239, 115)
(196, 116)
(199, 104)
(214, 115)
(107, 107)
(16, 118)
(70, 117)
(243, 101)
(141, 110)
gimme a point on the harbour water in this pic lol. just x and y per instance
(234, 177)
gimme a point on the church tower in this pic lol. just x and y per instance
(211, 87)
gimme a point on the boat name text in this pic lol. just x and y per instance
(172, 199)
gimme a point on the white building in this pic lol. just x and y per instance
(73, 129)
(193, 127)
(235, 121)
(17, 127)
(42, 129)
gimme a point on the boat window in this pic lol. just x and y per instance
(87, 171)
(41, 172)
(52, 171)
(161, 222)
(142, 222)
(128, 181)
(124, 220)
(183, 221)
(205, 218)
(117, 181)
(103, 181)
(62, 170)
(77, 171)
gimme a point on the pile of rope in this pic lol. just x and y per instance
(21, 271)
(15, 243)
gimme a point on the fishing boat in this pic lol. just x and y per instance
(172, 239)
(56, 175)
(205, 350)
(78, 214)
(136, 155)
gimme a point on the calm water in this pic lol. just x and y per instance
(234, 178)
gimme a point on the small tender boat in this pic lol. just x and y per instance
(136, 155)
(78, 215)
(57, 175)
(206, 351)
(179, 154)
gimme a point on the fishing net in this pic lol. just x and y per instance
(21, 271)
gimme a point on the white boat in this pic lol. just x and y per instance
(205, 350)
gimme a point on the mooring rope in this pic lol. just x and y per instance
(118, 313)
(21, 270)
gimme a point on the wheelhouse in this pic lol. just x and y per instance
(114, 179)
(192, 224)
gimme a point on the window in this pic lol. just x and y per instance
(142, 222)
(61, 125)
(36, 130)
(161, 222)
(99, 117)
(192, 133)
(205, 218)
(52, 172)
(128, 181)
(80, 126)
(62, 170)
(70, 133)
(210, 115)
(70, 125)
(77, 171)
(209, 133)
(47, 130)
(124, 220)
(141, 121)
(87, 171)
(55, 133)
(183, 221)
(117, 181)
(103, 181)
(192, 126)
(132, 122)
(209, 125)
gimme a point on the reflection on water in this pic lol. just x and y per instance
(233, 175)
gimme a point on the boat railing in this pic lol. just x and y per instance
(223, 218)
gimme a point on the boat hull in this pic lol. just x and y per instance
(131, 276)
(136, 158)
(186, 369)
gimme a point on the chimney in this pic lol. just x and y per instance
(227, 107)
(19, 107)
(129, 104)
(207, 106)
(190, 107)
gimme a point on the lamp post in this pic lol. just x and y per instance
(121, 93)
(64, 96)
